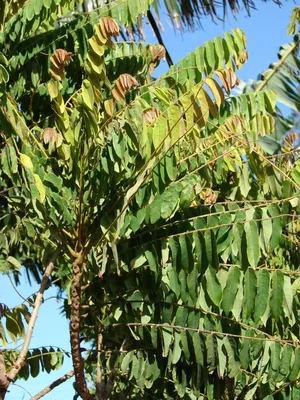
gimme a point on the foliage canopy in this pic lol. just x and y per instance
(173, 233)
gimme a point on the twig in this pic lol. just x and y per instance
(53, 385)
(22, 387)
(18, 293)
(18, 364)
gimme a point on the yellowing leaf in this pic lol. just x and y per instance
(109, 106)
(26, 161)
(52, 89)
(159, 132)
(216, 91)
(96, 45)
(40, 187)
(88, 94)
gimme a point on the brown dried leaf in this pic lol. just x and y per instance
(59, 59)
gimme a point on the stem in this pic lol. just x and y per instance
(75, 329)
(22, 356)
(53, 385)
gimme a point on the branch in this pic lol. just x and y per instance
(4, 382)
(99, 372)
(18, 364)
(53, 385)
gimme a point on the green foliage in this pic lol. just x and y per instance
(187, 230)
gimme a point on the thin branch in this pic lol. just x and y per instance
(294, 343)
(198, 309)
(22, 356)
(18, 293)
(208, 228)
(22, 387)
(53, 385)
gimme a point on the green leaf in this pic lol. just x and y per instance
(211, 248)
(262, 297)
(213, 286)
(30, 10)
(249, 292)
(275, 350)
(13, 159)
(267, 229)
(184, 255)
(14, 262)
(285, 364)
(198, 348)
(244, 180)
(12, 327)
(295, 372)
(252, 237)
(233, 364)
(159, 132)
(171, 166)
(231, 289)
(34, 363)
(185, 345)
(211, 353)
(126, 361)
(46, 360)
(274, 211)
(167, 334)
(155, 208)
(54, 179)
(40, 187)
(276, 300)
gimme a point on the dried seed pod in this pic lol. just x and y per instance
(109, 26)
(49, 135)
(123, 84)
(243, 56)
(150, 115)
(158, 52)
(59, 59)
(209, 196)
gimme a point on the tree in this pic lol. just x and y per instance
(153, 205)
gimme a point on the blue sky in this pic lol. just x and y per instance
(266, 31)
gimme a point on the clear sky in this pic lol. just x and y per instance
(266, 31)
